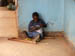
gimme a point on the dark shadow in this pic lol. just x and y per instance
(3, 3)
(41, 18)
(8, 4)
(46, 25)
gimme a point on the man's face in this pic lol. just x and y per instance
(35, 18)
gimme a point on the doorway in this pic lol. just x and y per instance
(8, 19)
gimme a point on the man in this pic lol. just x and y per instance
(36, 28)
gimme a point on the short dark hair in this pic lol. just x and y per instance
(35, 14)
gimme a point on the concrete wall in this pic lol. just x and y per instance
(69, 16)
(52, 11)
(59, 14)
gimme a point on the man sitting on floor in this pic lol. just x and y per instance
(36, 28)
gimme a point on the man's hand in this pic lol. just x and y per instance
(41, 25)
(33, 28)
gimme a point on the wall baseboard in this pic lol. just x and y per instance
(54, 34)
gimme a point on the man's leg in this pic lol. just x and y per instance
(23, 35)
(35, 36)
(36, 39)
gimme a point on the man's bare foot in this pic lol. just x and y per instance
(36, 38)
(30, 40)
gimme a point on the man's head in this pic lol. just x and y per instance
(35, 16)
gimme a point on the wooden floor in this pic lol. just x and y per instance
(47, 47)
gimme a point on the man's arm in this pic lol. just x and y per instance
(43, 24)
(31, 27)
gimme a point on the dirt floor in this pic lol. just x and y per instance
(47, 47)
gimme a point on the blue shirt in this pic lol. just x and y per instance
(33, 23)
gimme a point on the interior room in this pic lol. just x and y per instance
(15, 16)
